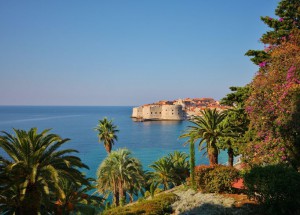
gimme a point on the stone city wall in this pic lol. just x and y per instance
(159, 112)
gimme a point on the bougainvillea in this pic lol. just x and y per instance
(274, 105)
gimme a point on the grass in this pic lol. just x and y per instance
(159, 205)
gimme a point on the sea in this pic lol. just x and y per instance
(148, 141)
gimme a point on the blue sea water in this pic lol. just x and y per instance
(148, 141)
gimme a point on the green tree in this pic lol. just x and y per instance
(207, 128)
(163, 172)
(117, 172)
(288, 12)
(107, 180)
(180, 169)
(274, 102)
(276, 88)
(36, 167)
(107, 133)
(236, 123)
(77, 199)
(192, 163)
(171, 170)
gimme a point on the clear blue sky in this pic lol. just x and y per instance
(126, 52)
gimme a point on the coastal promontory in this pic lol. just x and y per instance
(179, 109)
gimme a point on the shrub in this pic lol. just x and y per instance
(276, 187)
(161, 204)
(216, 178)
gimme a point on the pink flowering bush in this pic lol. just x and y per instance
(274, 105)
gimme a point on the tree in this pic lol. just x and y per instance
(192, 163)
(107, 180)
(36, 167)
(236, 122)
(107, 133)
(232, 137)
(163, 172)
(77, 198)
(274, 102)
(180, 169)
(207, 129)
(117, 172)
(288, 12)
(276, 87)
(170, 170)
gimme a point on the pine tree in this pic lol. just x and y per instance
(288, 12)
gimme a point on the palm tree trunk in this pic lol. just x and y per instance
(213, 157)
(121, 192)
(116, 198)
(107, 147)
(32, 201)
(230, 156)
(116, 195)
(131, 197)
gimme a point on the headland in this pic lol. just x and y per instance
(178, 110)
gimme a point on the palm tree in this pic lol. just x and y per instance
(180, 169)
(207, 129)
(117, 172)
(107, 180)
(163, 172)
(77, 199)
(37, 166)
(107, 133)
(136, 184)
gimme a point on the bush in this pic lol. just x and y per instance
(275, 187)
(161, 204)
(216, 178)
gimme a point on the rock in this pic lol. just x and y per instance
(192, 202)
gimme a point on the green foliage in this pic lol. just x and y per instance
(120, 173)
(33, 172)
(273, 105)
(288, 12)
(77, 199)
(276, 187)
(107, 133)
(237, 97)
(236, 122)
(216, 178)
(192, 164)
(206, 128)
(276, 88)
(171, 170)
(160, 205)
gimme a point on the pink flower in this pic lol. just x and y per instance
(262, 64)
(282, 149)
(283, 157)
(270, 18)
(280, 19)
(290, 73)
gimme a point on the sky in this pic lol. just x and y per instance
(126, 52)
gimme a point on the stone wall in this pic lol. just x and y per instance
(159, 112)
(137, 112)
(172, 112)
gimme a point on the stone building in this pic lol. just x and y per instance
(159, 112)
